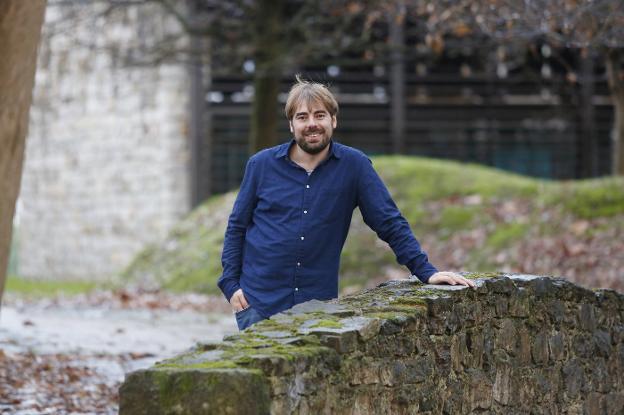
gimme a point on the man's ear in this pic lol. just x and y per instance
(290, 126)
(334, 121)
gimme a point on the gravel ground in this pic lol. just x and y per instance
(69, 356)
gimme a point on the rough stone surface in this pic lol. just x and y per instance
(404, 349)
(106, 166)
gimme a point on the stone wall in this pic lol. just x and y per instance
(106, 158)
(515, 344)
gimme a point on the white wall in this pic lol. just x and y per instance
(106, 159)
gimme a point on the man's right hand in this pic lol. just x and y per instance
(238, 300)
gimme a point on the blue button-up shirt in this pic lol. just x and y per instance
(287, 228)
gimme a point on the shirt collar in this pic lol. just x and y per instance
(335, 149)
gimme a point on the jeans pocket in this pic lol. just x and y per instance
(246, 317)
(242, 310)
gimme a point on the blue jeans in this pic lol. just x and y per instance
(247, 317)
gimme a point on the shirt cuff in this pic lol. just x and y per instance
(229, 287)
(422, 271)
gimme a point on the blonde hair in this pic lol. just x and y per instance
(308, 92)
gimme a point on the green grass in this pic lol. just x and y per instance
(589, 199)
(420, 179)
(454, 218)
(505, 235)
(46, 288)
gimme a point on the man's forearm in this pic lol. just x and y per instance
(232, 259)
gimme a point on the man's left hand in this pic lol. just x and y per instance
(451, 278)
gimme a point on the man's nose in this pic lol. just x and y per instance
(311, 122)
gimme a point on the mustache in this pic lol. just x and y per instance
(314, 130)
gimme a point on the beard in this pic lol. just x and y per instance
(313, 148)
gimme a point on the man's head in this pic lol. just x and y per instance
(311, 110)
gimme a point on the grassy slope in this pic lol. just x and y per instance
(442, 200)
(34, 289)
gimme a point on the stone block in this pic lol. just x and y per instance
(216, 391)
(501, 307)
(439, 306)
(587, 317)
(342, 343)
(389, 327)
(556, 311)
(556, 346)
(474, 346)
(583, 345)
(500, 285)
(418, 370)
(454, 322)
(507, 336)
(618, 334)
(602, 342)
(458, 351)
(573, 377)
(523, 347)
(519, 303)
(614, 403)
(316, 306)
(539, 348)
(502, 391)
(479, 394)
(598, 378)
(594, 404)
(370, 372)
(542, 287)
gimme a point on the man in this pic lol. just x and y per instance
(291, 217)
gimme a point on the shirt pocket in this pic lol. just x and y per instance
(331, 205)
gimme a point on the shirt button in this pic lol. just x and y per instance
(305, 211)
(302, 238)
(296, 289)
(298, 264)
(307, 186)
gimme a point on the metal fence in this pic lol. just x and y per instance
(516, 124)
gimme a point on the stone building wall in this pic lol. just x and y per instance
(106, 158)
(514, 345)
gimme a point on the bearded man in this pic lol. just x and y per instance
(291, 217)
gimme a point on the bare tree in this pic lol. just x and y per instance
(595, 28)
(20, 28)
(277, 35)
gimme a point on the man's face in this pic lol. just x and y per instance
(312, 126)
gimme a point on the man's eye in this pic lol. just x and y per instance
(320, 116)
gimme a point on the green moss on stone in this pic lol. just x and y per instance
(327, 324)
(411, 301)
(482, 275)
(219, 364)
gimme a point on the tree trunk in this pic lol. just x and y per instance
(589, 144)
(263, 131)
(20, 29)
(396, 21)
(615, 74)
